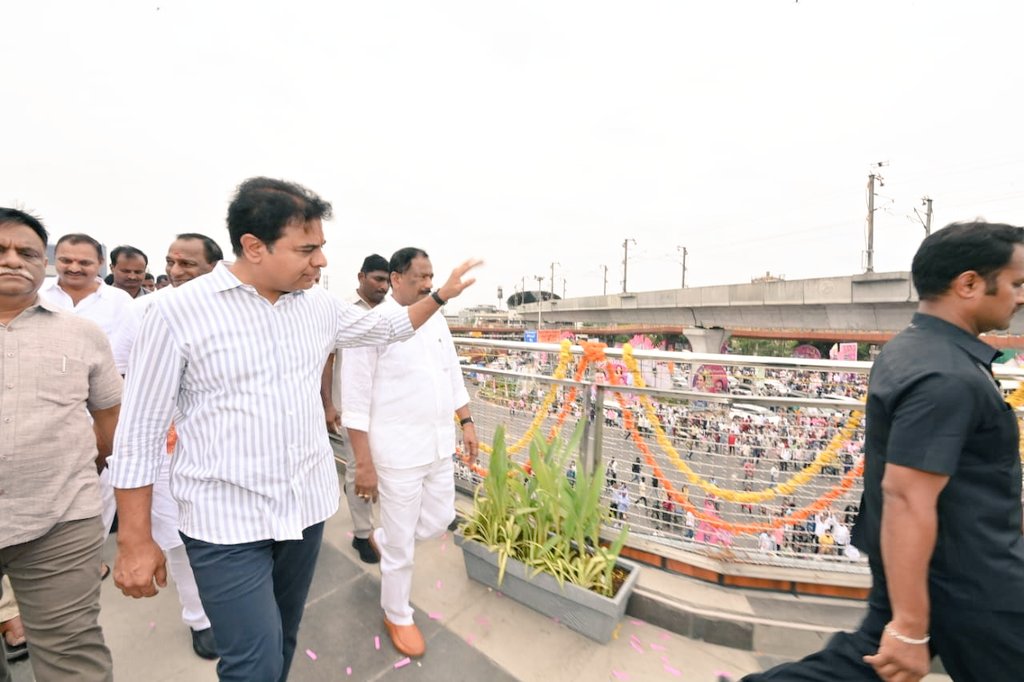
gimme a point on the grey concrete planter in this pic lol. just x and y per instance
(586, 612)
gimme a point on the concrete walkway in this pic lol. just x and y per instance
(473, 633)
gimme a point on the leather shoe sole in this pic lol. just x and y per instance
(204, 644)
(406, 638)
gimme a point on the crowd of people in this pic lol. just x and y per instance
(738, 450)
(213, 387)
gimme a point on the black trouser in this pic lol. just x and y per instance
(975, 646)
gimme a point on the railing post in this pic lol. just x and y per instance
(596, 440)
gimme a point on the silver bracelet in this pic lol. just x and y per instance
(903, 638)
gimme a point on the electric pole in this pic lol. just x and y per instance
(869, 265)
(552, 280)
(605, 267)
(625, 260)
(684, 252)
(540, 301)
(927, 201)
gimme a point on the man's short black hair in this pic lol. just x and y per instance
(13, 215)
(263, 207)
(160, 279)
(211, 250)
(985, 248)
(148, 277)
(403, 258)
(127, 252)
(82, 238)
(374, 263)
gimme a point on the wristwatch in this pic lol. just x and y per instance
(437, 297)
(466, 420)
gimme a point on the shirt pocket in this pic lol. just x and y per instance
(61, 380)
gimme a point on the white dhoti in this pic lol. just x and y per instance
(415, 504)
(165, 533)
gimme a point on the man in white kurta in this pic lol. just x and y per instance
(399, 404)
(189, 256)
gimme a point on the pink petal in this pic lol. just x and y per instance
(376, 642)
(483, 620)
(470, 639)
(636, 646)
(671, 671)
(657, 647)
(350, 534)
(311, 654)
(402, 663)
(444, 546)
(348, 671)
(434, 615)
(664, 635)
(437, 585)
(636, 622)
(620, 675)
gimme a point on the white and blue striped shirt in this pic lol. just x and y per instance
(241, 378)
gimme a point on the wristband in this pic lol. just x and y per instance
(437, 297)
(466, 420)
(889, 630)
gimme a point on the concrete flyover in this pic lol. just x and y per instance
(869, 302)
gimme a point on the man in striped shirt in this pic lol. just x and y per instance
(238, 356)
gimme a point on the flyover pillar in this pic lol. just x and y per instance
(704, 340)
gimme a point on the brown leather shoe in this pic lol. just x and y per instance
(406, 638)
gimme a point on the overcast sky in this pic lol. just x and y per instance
(524, 133)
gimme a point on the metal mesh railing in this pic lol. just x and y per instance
(764, 469)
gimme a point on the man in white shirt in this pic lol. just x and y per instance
(373, 287)
(78, 289)
(236, 358)
(398, 403)
(128, 266)
(189, 256)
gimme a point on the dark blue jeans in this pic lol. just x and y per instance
(254, 595)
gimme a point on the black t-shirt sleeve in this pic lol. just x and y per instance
(931, 423)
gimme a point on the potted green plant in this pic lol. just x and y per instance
(536, 536)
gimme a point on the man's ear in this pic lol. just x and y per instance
(253, 248)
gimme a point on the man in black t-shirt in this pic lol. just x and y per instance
(940, 518)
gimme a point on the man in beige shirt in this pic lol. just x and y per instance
(57, 370)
